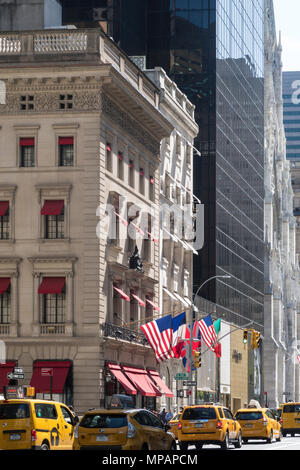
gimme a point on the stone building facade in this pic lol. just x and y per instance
(282, 294)
(80, 133)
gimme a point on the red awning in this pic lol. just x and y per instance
(141, 381)
(52, 285)
(117, 372)
(4, 205)
(160, 383)
(42, 383)
(140, 301)
(4, 370)
(152, 304)
(122, 294)
(53, 207)
(27, 141)
(4, 284)
(66, 140)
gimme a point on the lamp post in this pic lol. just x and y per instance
(192, 322)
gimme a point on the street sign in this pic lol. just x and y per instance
(18, 370)
(46, 372)
(181, 376)
(180, 393)
(190, 383)
(13, 376)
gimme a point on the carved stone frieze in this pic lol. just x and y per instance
(49, 101)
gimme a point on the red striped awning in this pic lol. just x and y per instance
(141, 381)
(4, 205)
(52, 285)
(122, 294)
(140, 301)
(66, 140)
(152, 304)
(42, 383)
(27, 141)
(160, 383)
(4, 284)
(52, 207)
(117, 372)
(5, 368)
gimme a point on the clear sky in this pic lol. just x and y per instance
(287, 17)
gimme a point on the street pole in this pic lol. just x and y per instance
(192, 323)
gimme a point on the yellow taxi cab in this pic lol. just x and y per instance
(173, 423)
(259, 423)
(290, 417)
(36, 425)
(122, 429)
(208, 424)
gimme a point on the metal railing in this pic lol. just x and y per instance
(124, 334)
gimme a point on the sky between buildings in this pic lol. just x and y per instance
(287, 17)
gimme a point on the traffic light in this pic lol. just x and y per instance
(255, 339)
(245, 337)
(197, 358)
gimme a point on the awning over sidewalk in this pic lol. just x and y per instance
(141, 381)
(41, 377)
(5, 368)
(160, 383)
(115, 369)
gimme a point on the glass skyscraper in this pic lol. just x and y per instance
(214, 51)
(291, 113)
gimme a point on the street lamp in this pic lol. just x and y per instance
(222, 276)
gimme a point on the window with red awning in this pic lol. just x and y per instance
(52, 285)
(53, 207)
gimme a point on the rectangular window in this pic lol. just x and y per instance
(108, 157)
(54, 226)
(27, 152)
(5, 302)
(131, 173)
(142, 181)
(54, 308)
(120, 165)
(4, 220)
(66, 151)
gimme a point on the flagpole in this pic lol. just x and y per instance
(192, 322)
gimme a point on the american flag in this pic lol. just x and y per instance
(208, 332)
(160, 336)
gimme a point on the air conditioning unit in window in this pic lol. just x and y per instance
(139, 60)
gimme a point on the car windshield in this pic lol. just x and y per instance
(14, 411)
(249, 415)
(104, 421)
(292, 408)
(199, 413)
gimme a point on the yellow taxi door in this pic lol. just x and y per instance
(231, 424)
(47, 424)
(151, 433)
(67, 428)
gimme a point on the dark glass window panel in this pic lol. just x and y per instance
(66, 155)
(4, 226)
(54, 308)
(5, 306)
(54, 226)
(27, 155)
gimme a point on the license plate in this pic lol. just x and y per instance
(101, 438)
(15, 437)
(248, 425)
(199, 425)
